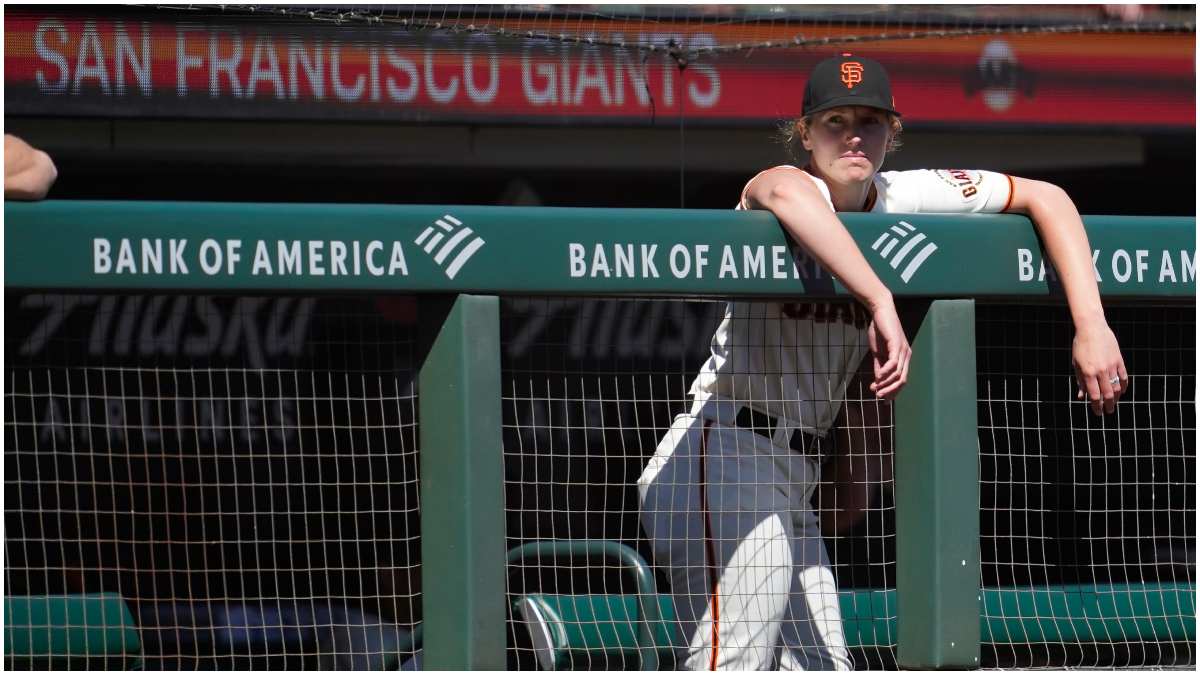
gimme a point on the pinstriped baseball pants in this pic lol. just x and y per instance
(728, 516)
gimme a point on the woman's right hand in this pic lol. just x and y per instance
(890, 351)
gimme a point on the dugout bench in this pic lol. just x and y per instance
(97, 630)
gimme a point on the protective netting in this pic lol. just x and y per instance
(241, 471)
(1088, 524)
(590, 388)
(743, 27)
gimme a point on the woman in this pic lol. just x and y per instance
(726, 497)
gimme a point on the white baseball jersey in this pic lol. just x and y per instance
(794, 360)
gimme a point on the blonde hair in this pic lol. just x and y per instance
(791, 131)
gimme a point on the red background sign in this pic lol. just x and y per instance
(70, 64)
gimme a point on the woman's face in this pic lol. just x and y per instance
(848, 144)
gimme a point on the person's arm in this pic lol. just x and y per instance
(1095, 352)
(28, 172)
(804, 213)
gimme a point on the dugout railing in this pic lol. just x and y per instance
(461, 260)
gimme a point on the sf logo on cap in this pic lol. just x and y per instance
(852, 73)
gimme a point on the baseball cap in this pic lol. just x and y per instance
(848, 80)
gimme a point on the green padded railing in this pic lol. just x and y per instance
(484, 249)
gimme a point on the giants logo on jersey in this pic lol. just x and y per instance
(964, 181)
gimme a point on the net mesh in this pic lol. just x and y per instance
(591, 386)
(242, 471)
(1100, 512)
(1086, 525)
(588, 387)
(743, 27)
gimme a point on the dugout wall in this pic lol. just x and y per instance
(250, 525)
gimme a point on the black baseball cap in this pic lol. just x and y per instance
(848, 80)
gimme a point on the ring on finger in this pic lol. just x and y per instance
(1114, 380)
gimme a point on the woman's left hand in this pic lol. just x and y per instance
(1099, 368)
(890, 351)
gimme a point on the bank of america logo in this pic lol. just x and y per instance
(453, 232)
(908, 239)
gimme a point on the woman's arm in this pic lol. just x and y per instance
(1096, 354)
(804, 213)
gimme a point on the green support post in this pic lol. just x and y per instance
(937, 495)
(462, 491)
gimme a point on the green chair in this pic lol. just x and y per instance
(57, 632)
(566, 629)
